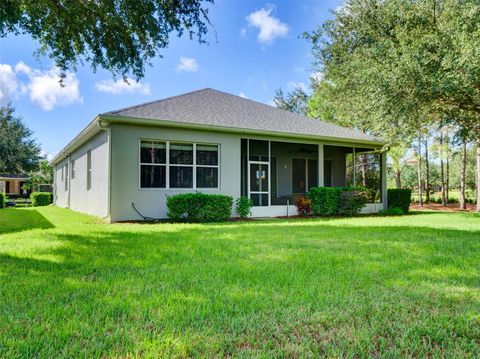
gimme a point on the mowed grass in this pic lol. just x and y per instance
(73, 286)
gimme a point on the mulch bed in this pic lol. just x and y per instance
(451, 207)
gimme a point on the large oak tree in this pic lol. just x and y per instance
(121, 36)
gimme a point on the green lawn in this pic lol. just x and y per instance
(73, 286)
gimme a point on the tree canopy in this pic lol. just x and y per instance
(19, 152)
(121, 36)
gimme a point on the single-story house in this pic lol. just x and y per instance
(207, 141)
(11, 184)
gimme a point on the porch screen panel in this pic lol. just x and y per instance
(312, 173)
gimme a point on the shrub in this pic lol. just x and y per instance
(199, 207)
(41, 198)
(325, 200)
(243, 206)
(399, 198)
(392, 211)
(351, 202)
(304, 206)
(3, 200)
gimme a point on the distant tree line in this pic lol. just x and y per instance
(408, 71)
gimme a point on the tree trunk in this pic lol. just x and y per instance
(463, 166)
(398, 179)
(419, 170)
(442, 170)
(363, 169)
(427, 172)
(478, 176)
(447, 174)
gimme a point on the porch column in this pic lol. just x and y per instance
(383, 172)
(320, 165)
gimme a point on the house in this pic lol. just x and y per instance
(207, 141)
(11, 184)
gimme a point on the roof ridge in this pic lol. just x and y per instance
(154, 101)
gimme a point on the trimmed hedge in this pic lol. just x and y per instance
(41, 198)
(399, 198)
(3, 200)
(199, 207)
(327, 201)
(324, 200)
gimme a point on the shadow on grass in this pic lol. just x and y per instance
(224, 290)
(17, 220)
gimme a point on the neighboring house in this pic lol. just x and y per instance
(207, 141)
(11, 184)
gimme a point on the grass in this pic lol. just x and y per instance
(370, 286)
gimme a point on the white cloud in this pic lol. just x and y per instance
(187, 64)
(42, 87)
(316, 76)
(269, 26)
(293, 85)
(45, 90)
(8, 83)
(242, 94)
(122, 86)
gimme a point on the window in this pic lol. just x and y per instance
(181, 165)
(72, 174)
(66, 177)
(62, 172)
(89, 170)
(153, 159)
(207, 166)
(178, 165)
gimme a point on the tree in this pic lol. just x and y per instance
(295, 101)
(121, 36)
(403, 64)
(44, 175)
(19, 152)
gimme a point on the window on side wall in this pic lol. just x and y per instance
(153, 163)
(89, 170)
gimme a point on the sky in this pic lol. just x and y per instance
(253, 49)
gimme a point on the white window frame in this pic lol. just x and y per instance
(167, 165)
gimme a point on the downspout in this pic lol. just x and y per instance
(105, 127)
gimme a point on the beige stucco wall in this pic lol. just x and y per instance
(152, 202)
(77, 196)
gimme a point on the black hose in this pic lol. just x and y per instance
(145, 218)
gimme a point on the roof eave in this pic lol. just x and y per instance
(88, 132)
(168, 123)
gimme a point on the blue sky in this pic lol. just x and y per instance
(257, 49)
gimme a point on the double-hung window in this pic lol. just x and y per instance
(181, 165)
(207, 166)
(153, 164)
(165, 164)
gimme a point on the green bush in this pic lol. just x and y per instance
(243, 206)
(392, 211)
(199, 207)
(3, 200)
(352, 201)
(41, 198)
(399, 198)
(325, 200)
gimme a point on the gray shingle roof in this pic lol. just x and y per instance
(219, 109)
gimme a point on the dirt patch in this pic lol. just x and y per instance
(451, 207)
